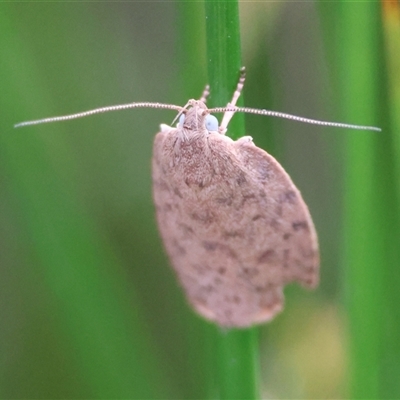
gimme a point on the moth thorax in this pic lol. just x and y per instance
(195, 120)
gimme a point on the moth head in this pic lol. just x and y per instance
(197, 118)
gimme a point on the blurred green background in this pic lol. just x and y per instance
(89, 307)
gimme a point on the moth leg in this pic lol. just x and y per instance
(205, 94)
(229, 114)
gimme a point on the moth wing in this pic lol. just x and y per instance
(291, 233)
(263, 236)
(234, 226)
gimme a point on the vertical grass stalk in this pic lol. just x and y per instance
(369, 220)
(237, 350)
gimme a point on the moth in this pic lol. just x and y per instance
(234, 225)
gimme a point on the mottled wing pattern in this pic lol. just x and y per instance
(234, 226)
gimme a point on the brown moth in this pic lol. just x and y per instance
(234, 225)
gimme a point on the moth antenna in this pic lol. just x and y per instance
(205, 94)
(228, 115)
(99, 111)
(182, 110)
(290, 116)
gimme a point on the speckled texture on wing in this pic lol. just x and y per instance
(235, 227)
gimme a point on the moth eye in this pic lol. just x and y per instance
(211, 123)
(181, 119)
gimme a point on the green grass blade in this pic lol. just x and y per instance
(79, 336)
(390, 370)
(224, 57)
(370, 218)
(237, 367)
(238, 364)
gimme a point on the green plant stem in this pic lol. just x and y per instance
(369, 191)
(237, 350)
(237, 364)
(391, 370)
(224, 57)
